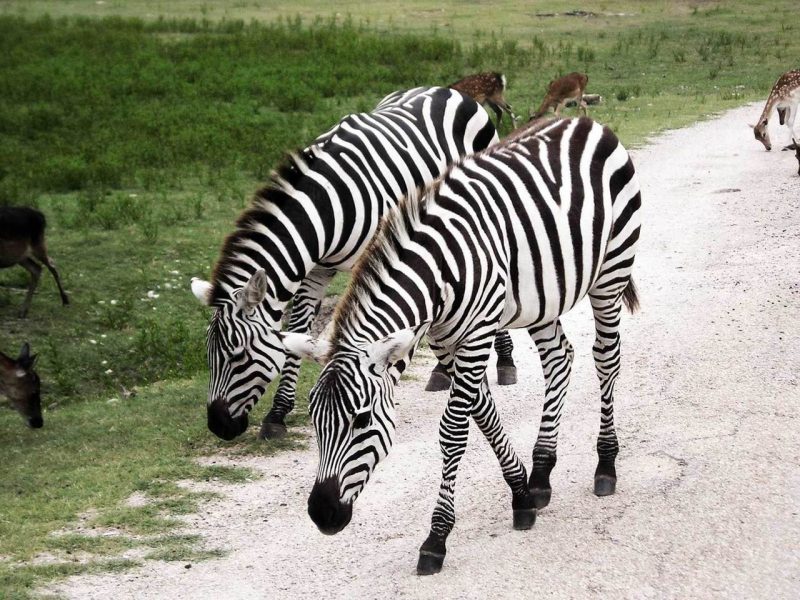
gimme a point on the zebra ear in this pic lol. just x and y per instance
(254, 291)
(202, 290)
(305, 346)
(393, 347)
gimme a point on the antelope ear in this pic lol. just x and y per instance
(305, 346)
(254, 291)
(393, 347)
(202, 290)
(24, 353)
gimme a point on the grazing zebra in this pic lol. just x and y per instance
(314, 219)
(512, 237)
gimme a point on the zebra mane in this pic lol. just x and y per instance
(386, 245)
(277, 191)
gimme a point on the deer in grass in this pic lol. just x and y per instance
(487, 88)
(22, 243)
(20, 384)
(562, 90)
(785, 97)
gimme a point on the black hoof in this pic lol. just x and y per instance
(272, 431)
(506, 375)
(429, 563)
(604, 485)
(541, 497)
(438, 382)
(524, 519)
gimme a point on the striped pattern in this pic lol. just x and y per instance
(314, 219)
(513, 237)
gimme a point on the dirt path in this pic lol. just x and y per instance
(708, 500)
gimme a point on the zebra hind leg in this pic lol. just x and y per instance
(506, 369)
(606, 352)
(556, 355)
(304, 308)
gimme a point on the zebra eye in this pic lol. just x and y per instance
(237, 354)
(363, 419)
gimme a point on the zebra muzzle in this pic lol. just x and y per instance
(329, 514)
(222, 424)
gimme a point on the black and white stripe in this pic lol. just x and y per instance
(314, 219)
(512, 237)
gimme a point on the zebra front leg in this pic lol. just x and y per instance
(488, 420)
(304, 309)
(556, 354)
(453, 433)
(606, 352)
(439, 379)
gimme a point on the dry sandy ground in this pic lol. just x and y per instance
(708, 500)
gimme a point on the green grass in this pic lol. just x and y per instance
(143, 139)
(91, 456)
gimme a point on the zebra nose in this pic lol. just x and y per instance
(329, 514)
(222, 424)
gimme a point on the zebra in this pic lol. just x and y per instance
(314, 219)
(512, 237)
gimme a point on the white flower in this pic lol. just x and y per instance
(103, 362)
(173, 272)
(109, 371)
(92, 341)
(113, 302)
(152, 294)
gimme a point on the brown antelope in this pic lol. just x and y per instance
(20, 384)
(785, 96)
(22, 241)
(562, 90)
(487, 88)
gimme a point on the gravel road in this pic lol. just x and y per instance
(708, 498)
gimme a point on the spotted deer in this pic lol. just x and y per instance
(562, 90)
(20, 384)
(487, 88)
(785, 97)
(22, 241)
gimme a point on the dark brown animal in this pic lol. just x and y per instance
(20, 384)
(560, 91)
(487, 88)
(22, 241)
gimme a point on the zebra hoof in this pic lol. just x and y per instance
(438, 382)
(524, 519)
(541, 497)
(429, 563)
(506, 375)
(272, 431)
(604, 485)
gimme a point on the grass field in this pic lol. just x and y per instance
(142, 137)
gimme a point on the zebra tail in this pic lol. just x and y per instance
(630, 298)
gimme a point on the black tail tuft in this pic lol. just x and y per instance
(630, 298)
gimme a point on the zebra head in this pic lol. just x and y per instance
(244, 354)
(352, 408)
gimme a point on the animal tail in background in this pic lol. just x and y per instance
(630, 297)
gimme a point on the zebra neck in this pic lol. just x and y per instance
(397, 283)
(281, 233)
